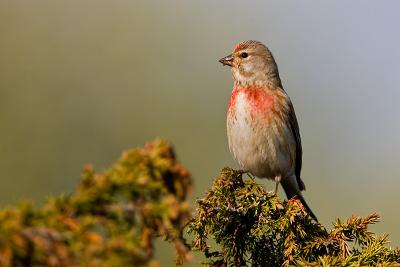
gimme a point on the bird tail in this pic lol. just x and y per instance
(292, 189)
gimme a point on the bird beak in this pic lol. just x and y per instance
(227, 61)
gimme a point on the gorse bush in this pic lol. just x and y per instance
(253, 227)
(113, 217)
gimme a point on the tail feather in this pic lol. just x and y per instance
(292, 189)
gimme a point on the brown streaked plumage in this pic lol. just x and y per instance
(263, 132)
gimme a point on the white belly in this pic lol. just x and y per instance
(261, 146)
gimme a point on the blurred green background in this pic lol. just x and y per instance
(80, 81)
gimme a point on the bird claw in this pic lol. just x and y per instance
(250, 175)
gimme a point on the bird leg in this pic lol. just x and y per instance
(277, 181)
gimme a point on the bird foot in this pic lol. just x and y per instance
(248, 174)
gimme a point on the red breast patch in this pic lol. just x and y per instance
(260, 100)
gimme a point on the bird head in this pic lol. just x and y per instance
(252, 63)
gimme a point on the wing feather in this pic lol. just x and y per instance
(294, 125)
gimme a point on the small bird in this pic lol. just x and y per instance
(263, 132)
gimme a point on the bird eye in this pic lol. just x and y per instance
(244, 55)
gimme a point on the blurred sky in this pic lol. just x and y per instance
(80, 81)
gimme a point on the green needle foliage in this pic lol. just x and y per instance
(252, 227)
(111, 219)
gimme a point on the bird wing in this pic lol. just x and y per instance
(294, 125)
